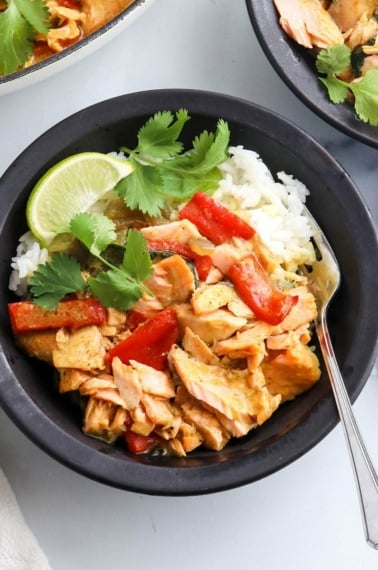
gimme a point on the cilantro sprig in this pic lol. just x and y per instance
(19, 24)
(164, 170)
(334, 60)
(115, 286)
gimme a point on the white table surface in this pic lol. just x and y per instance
(306, 516)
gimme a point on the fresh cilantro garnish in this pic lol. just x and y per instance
(52, 281)
(19, 23)
(115, 286)
(335, 60)
(162, 169)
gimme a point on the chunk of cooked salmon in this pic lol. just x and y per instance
(38, 344)
(158, 410)
(104, 420)
(226, 254)
(363, 33)
(141, 423)
(302, 313)
(70, 379)
(148, 305)
(152, 381)
(172, 281)
(292, 371)
(217, 325)
(180, 231)
(126, 379)
(83, 349)
(207, 298)
(102, 388)
(211, 384)
(308, 23)
(195, 346)
(214, 436)
(346, 13)
(189, 437)
(250, 342)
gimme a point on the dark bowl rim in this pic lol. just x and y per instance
(72, 49)
(295, 67)
(178, 480)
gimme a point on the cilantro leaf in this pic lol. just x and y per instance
(18, 25)
(141, 189)
(136, 260)
(158, 137)
(162, 169)
(337, 92)
(35, 12)
(365, 92)
(113, 290)
(95, 231)
(333, 61)
(54, 279)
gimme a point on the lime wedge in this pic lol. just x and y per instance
(73, 185)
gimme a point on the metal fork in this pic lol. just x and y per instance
(324, 279)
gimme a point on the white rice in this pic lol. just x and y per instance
(29, 255)
(273, 208)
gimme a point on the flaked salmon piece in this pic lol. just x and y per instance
(38, 344)
(70, 379)
(291, 372)
(170, 430)
(103, 420)
(115, 317)
(267, 259)
(211, 327)
(89, 387)
(148, 305)
(155, 382)
(141, 423)
(172, 281)
(285, 340)
(175, 447)
(207, 298)
(195, 346)
(211, 384)
(126, 379)
(214, 276)
(228, 253)
(214, 435)
(308, 23)
(180, 231)
(83, 349)
(250, 342)
(346, 13)
(189, 437)
(158, 410)
(362, 33)
(303, 313)
(238, 308)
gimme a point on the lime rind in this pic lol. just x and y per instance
(71, 186)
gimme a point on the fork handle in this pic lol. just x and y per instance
(364, 473)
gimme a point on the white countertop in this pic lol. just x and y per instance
(306, 516)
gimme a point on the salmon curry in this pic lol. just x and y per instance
(217, 338)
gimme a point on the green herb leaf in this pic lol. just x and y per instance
(18, 26)
(365, 92)
(334, 60)
(112, 289)
(158, 137)
(141, 190)
(162, 169)
(95, 231)
(337, 92)
(137, 261)
(54, 279)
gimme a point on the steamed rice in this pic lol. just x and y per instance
(273, 208)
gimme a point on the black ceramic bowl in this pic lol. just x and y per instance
(74, 53)
(27, 389)
(296, 67)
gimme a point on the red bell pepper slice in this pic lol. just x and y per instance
(213, 220)
(202, 263)
(255, 288)
(141, 443)
(150, 342)
(25, 316)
